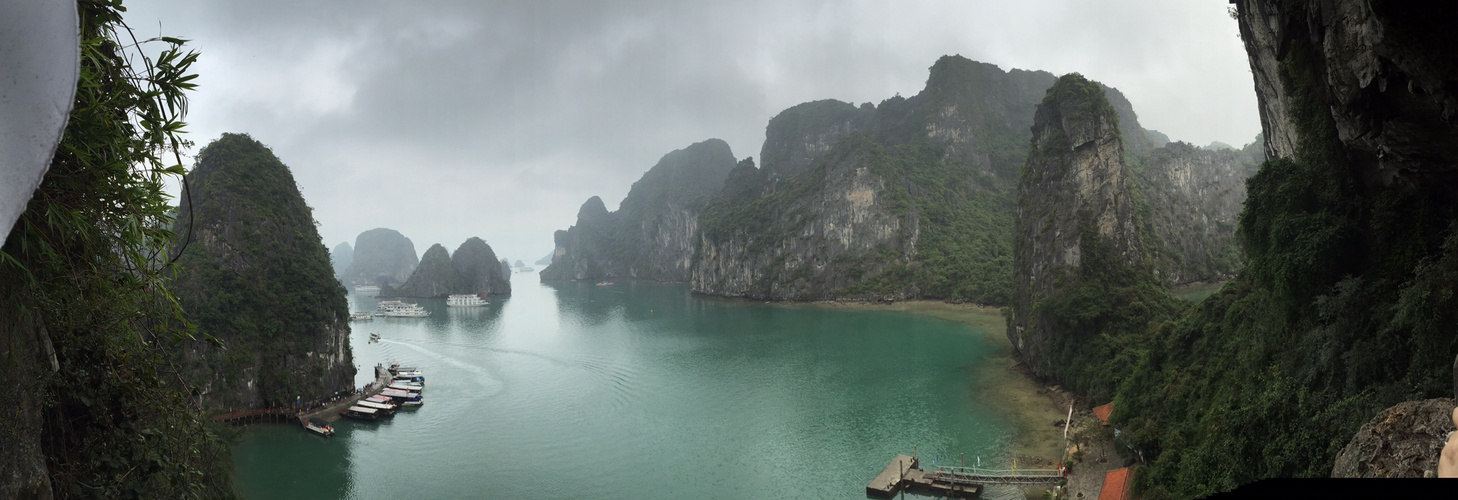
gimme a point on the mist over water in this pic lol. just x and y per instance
(641, 390)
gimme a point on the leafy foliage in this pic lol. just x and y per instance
(83, 267)
(1346, 307)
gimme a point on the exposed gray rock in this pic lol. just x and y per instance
(653, 233)
(1073, 193)
(341, 257)
(1402, 441)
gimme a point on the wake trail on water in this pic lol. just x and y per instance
(621, 381)
(488, 379)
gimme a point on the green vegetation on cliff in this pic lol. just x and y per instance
(1345, 308)
(86, 318)
(432, 278)
(1347, 304)
(477, 271)
(472, 269)
(258, 278)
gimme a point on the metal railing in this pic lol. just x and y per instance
(978, 475)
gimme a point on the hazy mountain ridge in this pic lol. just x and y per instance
(911, 198)
(380, 254)
(653, 233)
(471, 269)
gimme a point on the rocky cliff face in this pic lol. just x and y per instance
(29, 359)
(653, 233)
(911, 198)
(814, 244)
(472, 269)
(434, 277)
(1387, 78)
(1402, 441)
(477, 270)
(1074, 204)
(908, 198)
(257, 278)
(1360, 109)
(1193, 199)
(381, 254)
(341, 257)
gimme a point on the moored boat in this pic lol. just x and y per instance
(360, 413)
(361, 316)
(398, 309)
(366, 289)
(403, 398)
(319, 426)
(407, 386)
(383, 409)
(465, 300)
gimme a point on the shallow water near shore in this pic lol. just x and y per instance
(641, 390)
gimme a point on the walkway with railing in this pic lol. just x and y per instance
(978, 475)
(967, 482)
(281, 414)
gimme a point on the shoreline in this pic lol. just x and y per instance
(1031, 406)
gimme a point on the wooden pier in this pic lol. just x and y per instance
(291, 414)
(331, 412)
(904, 472)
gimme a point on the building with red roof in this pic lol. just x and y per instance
(1103, 412)
(1117, 484)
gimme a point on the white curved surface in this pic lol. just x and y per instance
(39, 56)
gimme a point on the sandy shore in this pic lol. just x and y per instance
(1032, 406)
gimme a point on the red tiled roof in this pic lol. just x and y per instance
(1116, 484)
(1104, 411)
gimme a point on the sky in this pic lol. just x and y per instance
(451, 119)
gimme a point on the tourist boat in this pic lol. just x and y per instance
(360, 413)
(397, 309)
(319, 426)
(403, 398)
(374, 336)
(379, 399)
(366, 289)
(465, 300)
(361, 316)
(604, 283)
(384, 409)
(407, 386)
(415, 377)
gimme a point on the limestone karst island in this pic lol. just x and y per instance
(728, 249)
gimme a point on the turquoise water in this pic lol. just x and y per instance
(641, 390)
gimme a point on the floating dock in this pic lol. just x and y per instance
(904, 472)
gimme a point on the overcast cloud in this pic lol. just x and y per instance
(446, 120)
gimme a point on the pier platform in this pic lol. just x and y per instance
(905, 472)
(331, 412)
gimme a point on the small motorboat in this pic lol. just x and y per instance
(319, 426)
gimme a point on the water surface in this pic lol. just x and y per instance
(642, 390)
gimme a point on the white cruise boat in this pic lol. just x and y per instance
(397, 309)
(465, 300)
(361, 316)
(366, 289)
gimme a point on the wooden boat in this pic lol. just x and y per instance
(360, 413)
(383, 409)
